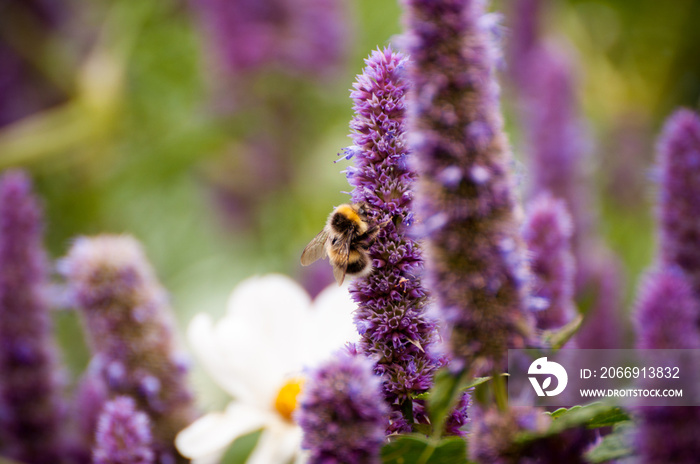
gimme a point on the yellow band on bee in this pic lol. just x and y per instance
(349, 213)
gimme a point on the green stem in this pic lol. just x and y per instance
(499, 391)
(407, 411)
(454, 395)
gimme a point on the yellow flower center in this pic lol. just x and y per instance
(286, 401)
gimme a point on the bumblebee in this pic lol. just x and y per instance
(345, 240)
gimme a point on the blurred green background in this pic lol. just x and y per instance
(134, 133)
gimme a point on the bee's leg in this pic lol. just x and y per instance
(365, 240)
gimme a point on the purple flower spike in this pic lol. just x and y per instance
(475, 257)
(547, 232)
(666, 314)
(30, 405)
(391, 300)
(342, 413)
(667, 311)
(129, 326)
(123, 434)
(679, 208)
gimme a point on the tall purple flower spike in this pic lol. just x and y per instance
(679, 201)
(130, 326)
(123, 434)
(391, 300)
(547, 232)
(666, 318)
(475, 257)
(342, 412)
(30, 403)
(666, 311)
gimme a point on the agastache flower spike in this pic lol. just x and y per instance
(130, 327)
(679, 208)
(343, 414)
(391, 314)
(666, 310)
(30, 406)
(547, 232)
(475, 257)
(123, 434)
(666, 314)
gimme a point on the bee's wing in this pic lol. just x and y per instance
(341, 249)
(339, 273)
(316, 249)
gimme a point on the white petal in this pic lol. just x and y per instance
(332, 323)
(278, 444)
(275, 310)
(217, 360)
(211, 434)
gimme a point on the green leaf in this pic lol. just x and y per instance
(421, 396)
(591, 416)
(609, 418)
(417, 449)
(241, 448)
(443, 397)
(476, 381)
(613, 446)
(404, 450)
(557, 339)
(445, 394)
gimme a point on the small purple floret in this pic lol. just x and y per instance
(123, 434)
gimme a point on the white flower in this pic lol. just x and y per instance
(257, 353)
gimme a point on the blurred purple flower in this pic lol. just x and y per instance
(342, 412)
(668, 304)
(667, 311)
(391, 300)
(524, 36)
(30, 402)
(679, 200)
(129, 326)
(123, 434)
(666, 317)
(547, 232)
(475, 257)
(297, 36)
